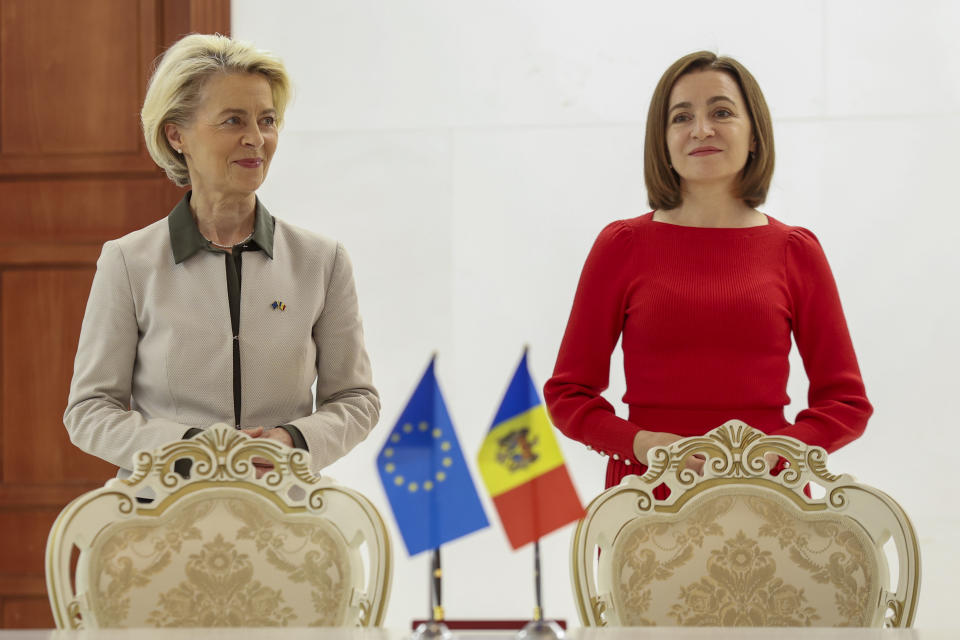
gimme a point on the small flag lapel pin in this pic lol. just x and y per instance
(278, 306)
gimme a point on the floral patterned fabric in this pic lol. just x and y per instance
(228, 561)
(746, 560)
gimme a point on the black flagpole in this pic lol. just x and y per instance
(437, 573)
(538, 628)
(538, 611)
(434, 628)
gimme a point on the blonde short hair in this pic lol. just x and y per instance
(173, 92)
(663, 183)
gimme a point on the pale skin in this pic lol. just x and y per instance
(280, 435)
(709, 138)
(228, 145)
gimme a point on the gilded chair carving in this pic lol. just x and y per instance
(220, 547)
(738, 546)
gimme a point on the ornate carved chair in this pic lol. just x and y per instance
(220, 548)
(740, 547)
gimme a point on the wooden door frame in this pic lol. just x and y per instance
(28, 185)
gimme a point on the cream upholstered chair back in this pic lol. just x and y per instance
(740, 547)
(220, 548)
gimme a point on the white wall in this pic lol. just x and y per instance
(467, 154)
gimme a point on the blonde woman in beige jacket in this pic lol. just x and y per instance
(220, 312)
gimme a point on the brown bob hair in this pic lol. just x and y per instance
(663, 183)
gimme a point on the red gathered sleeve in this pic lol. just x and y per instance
(582, 371)
(838, 408)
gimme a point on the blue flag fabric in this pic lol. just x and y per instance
(521, 395)
(425, 476)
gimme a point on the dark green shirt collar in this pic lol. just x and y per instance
(186, 239)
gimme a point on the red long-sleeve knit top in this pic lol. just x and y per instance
(706, 316)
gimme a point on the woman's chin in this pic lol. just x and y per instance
(244, 186)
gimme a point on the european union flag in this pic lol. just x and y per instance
(425, 476)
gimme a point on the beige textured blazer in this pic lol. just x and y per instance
(155, 356)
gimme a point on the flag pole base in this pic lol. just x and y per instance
(432, 630)
(540, 630)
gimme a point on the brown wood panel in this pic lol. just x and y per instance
(27, 613)
(36, 121)
(67, 102)
(31, 585)
(210, 16)
(22, 554)
(73, 174)
(181, 17)
(50, 254)
(74, 210)
(20, 495)
(38, 350)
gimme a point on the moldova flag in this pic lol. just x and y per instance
(522, 466)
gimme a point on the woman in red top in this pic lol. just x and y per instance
(705, 290)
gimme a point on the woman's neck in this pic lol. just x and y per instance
(225, 221)
(712, 207)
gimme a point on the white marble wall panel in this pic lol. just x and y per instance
(891, 58)
(549, 62)
(940, 580)
(796, 193)
(359, 64)
(369, 64)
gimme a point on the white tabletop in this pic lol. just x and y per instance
(622, 633)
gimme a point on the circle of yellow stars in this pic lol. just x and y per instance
(439, 476)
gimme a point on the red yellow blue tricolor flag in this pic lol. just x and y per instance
(522, 466)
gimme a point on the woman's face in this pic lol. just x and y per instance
(709, 135)
(231, 139)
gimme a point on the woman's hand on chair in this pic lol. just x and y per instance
(646, 440)
(772, 459)
(280, 435)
